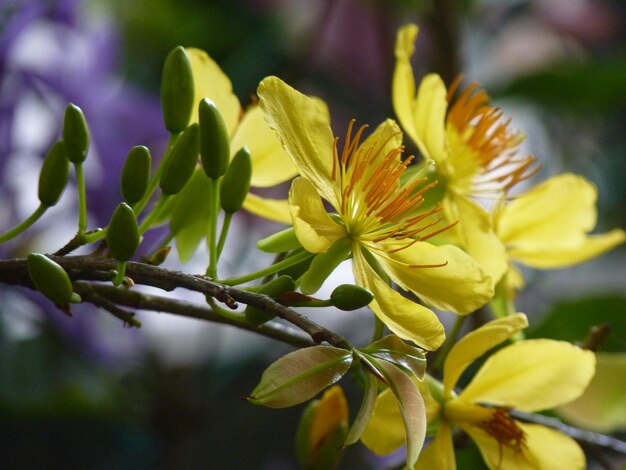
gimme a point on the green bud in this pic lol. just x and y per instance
(323, 265)
(214, 140)
(177, 90)
(123, 233)
(135, 174)
(274, 289)
(75, 134)
(303, 433)
(350, 297)
(178, 169)
(54, 173)
(279, 242)
(50, 279)
(236, 181)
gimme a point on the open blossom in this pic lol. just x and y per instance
(270, 165)
(474, 150)
(530, 376)
(549, 226)
(376, 215)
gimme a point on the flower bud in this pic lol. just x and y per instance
(350, 297)
(53, 175)
(236, 181)
(75, 134)
(274, 289)
(177, 90)
(135, 174)
(123, 233)
(50, 279)
(279, 242)
(214, 140)
(322, 431)
(178, 169)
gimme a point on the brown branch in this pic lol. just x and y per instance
(92, 268)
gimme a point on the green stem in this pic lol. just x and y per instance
(82, 197)
(95, 236)
(121, 271)
(294, 259)
(379, 328)
(225, 226)
(154, 182)
(154, 214)
(214, 200)
(450, 341)
(22, 226)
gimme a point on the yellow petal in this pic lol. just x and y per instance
(542, 448)
(211, 82)
(403, 86)
(602, 407)
(547, 226)
(456, 282)
(478, 238)
(385, 431)
(532, 375)
(304, 130)
(314, 228)
(270, 163)
(271, 209)
(440, 453)
(430, 113)
(405, 318)
(331, 413)
(475, 344)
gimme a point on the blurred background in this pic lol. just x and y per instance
(85, 392)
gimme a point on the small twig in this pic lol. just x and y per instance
(581, 435)
(90, 295)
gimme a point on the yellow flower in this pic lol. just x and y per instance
(377, 216)
(471, 144)
(530, 376)
(548, 227)
(270, 165)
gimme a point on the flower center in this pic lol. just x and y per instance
(504, 429)
(375, 204)
(493, 147)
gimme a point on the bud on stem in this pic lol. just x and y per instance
(236, 181)
(135, 174)
(214, 140)
(178, 169)
(50, 279)
(123, 233)
(177, 90)
(75, 134)
(54, 174)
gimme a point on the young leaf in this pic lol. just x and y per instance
(411, 407)
(300, 375)
(392, 349)
(190, 215)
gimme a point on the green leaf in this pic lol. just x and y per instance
(300, 375)
(392, 349)
(411, 406)
(190, 215)
(572, 321)
(365, 411)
